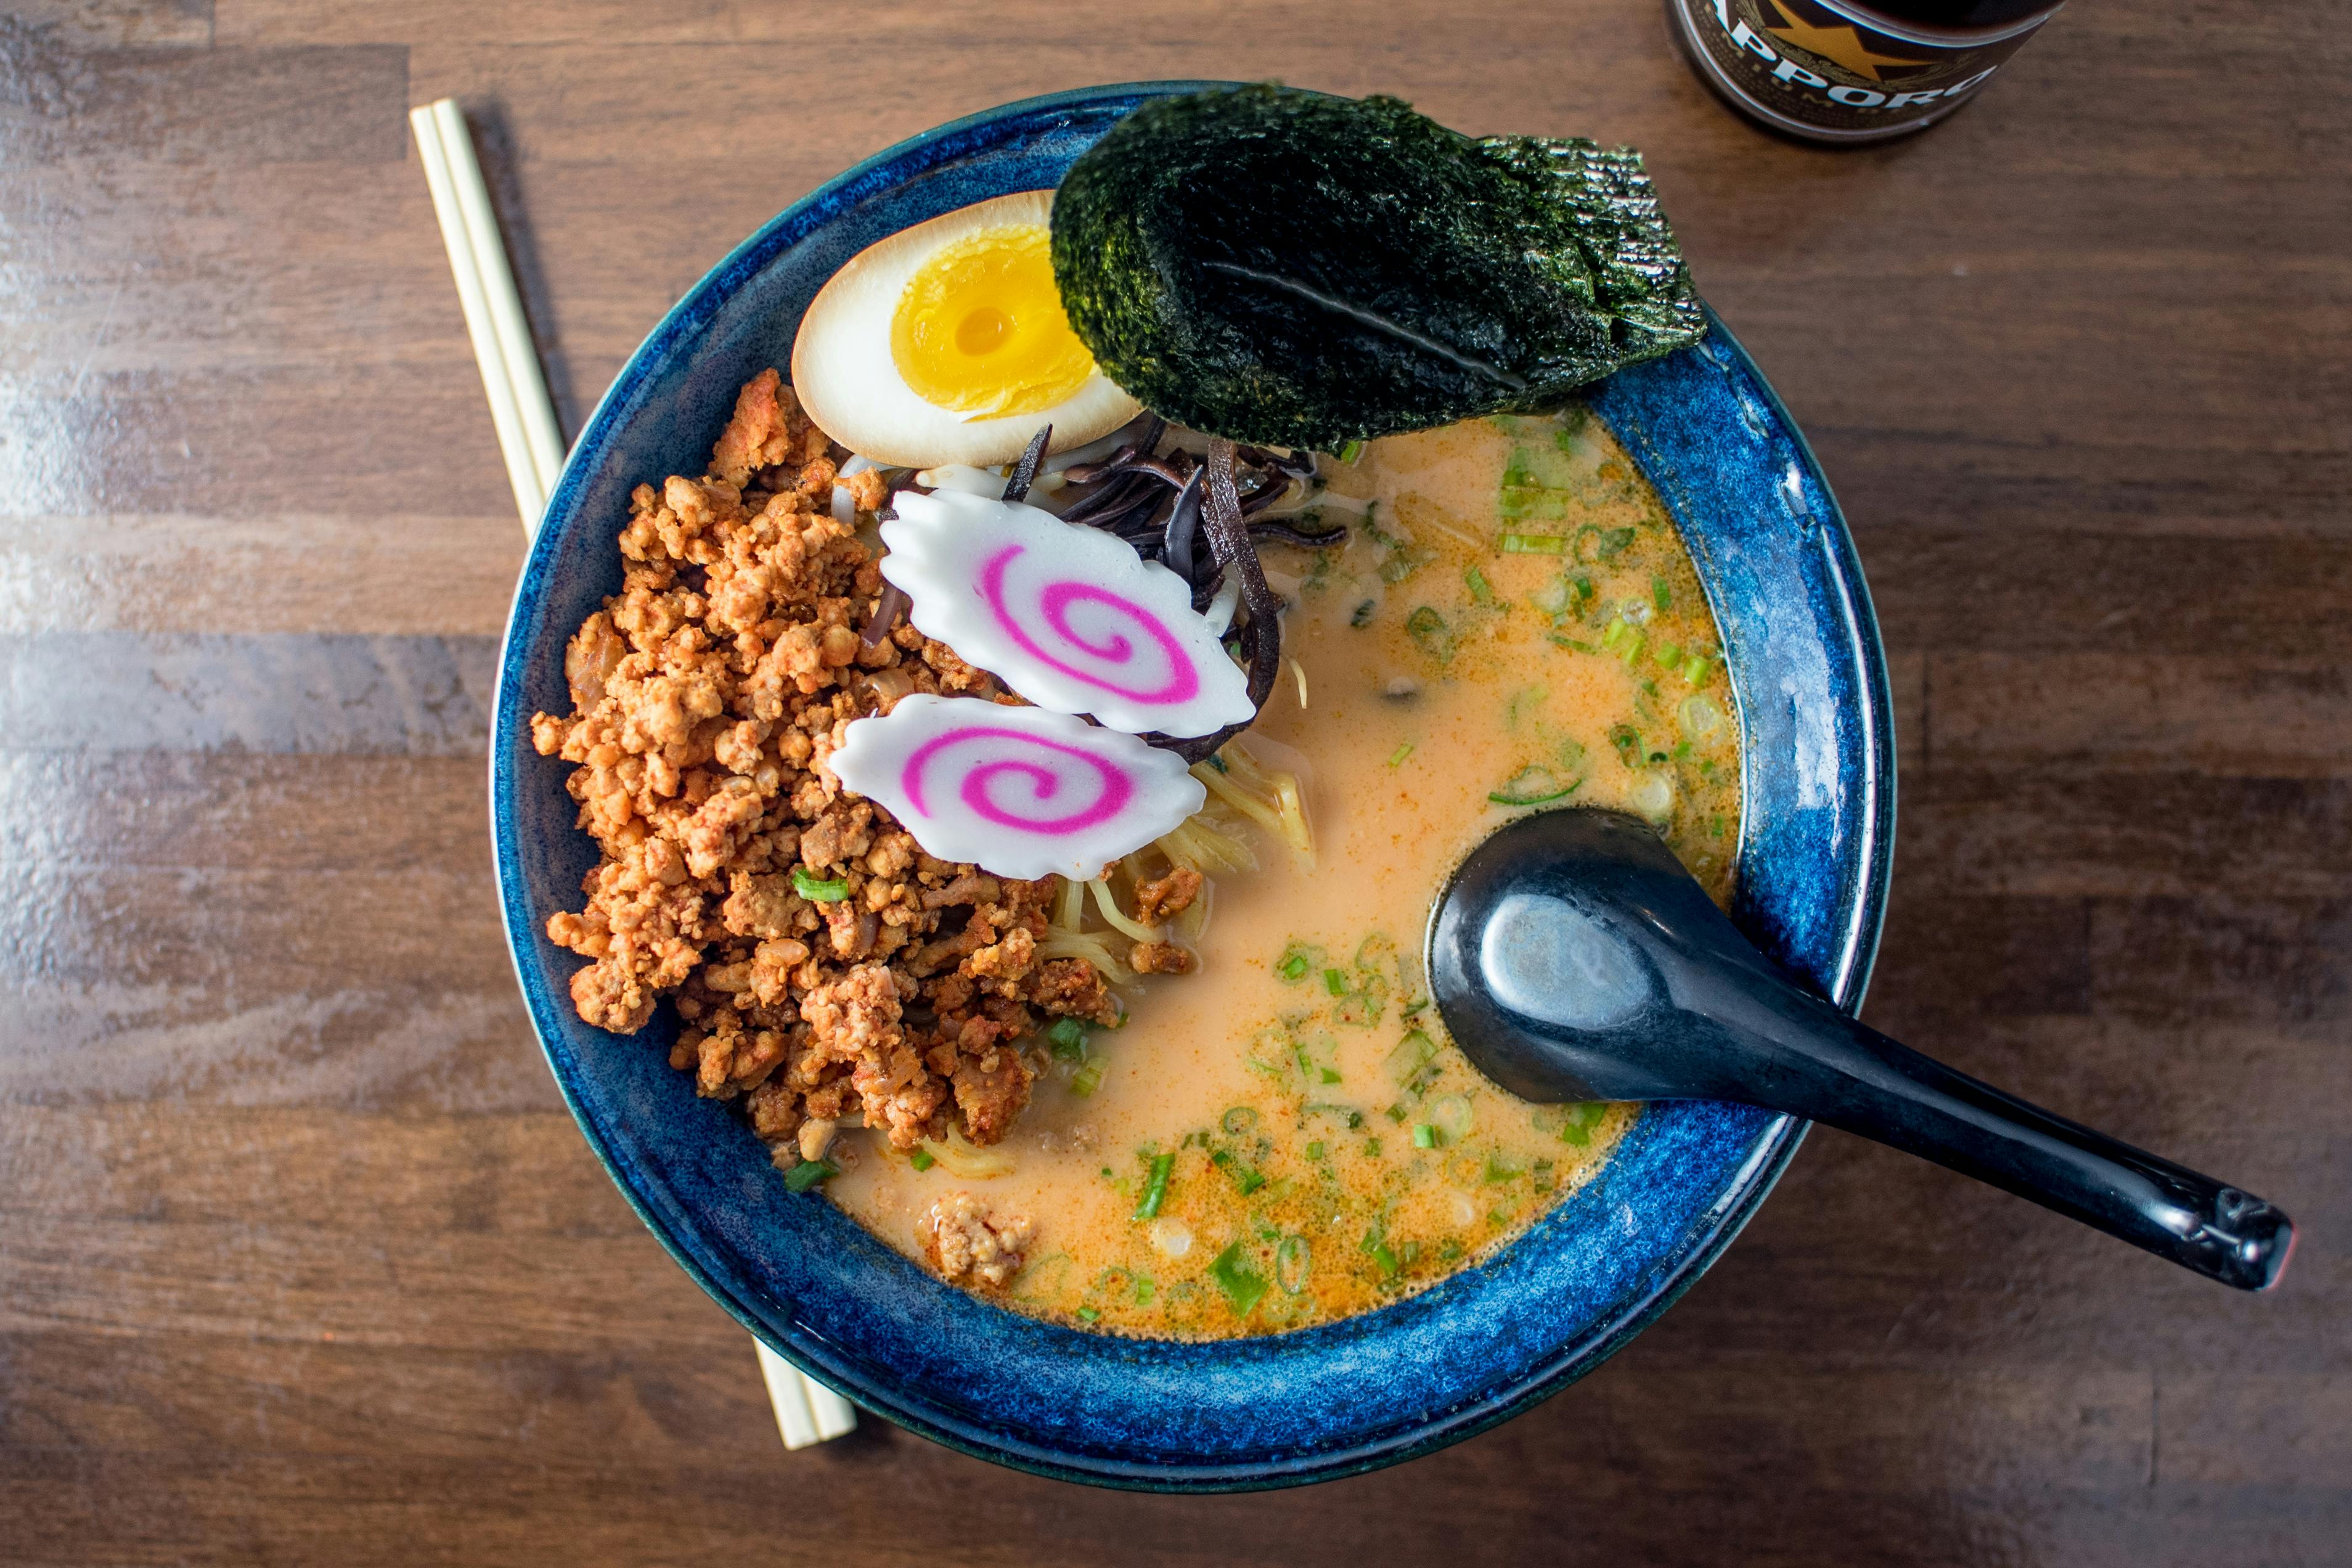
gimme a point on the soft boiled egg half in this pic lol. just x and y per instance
(946, 344)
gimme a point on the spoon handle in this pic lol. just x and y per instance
(1825, 1065)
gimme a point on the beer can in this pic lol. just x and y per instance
(1834, 71)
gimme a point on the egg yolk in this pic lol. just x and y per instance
(980, 327)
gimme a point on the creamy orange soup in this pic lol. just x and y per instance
(1287, 1136)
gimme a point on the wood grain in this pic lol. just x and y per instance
(301, 1259)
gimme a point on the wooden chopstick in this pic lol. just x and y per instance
(807, 1412)
(531, 484)
(511, 326)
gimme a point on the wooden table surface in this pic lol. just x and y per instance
(301, 1258)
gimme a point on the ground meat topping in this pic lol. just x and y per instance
(971, 1245)
(1170, 896)
(824, 967)
(1160, 957)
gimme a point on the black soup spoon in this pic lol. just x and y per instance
(1574, 958)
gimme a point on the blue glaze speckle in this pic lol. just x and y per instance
(1809, 677)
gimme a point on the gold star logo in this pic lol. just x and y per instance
(1841, 45)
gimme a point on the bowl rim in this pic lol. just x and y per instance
(1857, 944)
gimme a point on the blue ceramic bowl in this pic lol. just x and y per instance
(1805, 664)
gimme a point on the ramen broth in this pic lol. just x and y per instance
(1287, 1137)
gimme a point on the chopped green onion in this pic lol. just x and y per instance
(1363, 615)
(1087, 1315)
(808, 1173)
(1348, 1114)
(1155, 1188)
(1580, 1121)
(921, 1160)
(817, 892)
(1535, 544)
(1318, 577)
(1246, 1179)
(1533, 786)
(1499, 1171)
(1335, 981)
(1376, 1242)
(1238, 1119)
(1400, 753)
(1292, 1260)
(1607, 543)
(1694, 670)
(1090, 1078)
(1144, 1290)
(1660, 594)
(1522, 502)
(1068, 1038)
(1295, 960)
(1242, 1284)
(1669, 654)
(1268, 1054)
(1481, 591)
(1715, 826)
(1427, 628)
(1452, 1115)
(1412, 1053)
(1372, 1147)
(1424, 1136)
(1315, 1149)
(1522, 701)
(1314, 1057)
(1617, 632)
(1350, 452)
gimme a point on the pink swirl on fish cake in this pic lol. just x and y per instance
(1054, 603)
(1022, 792)
(1117, 789)
(1070, 618)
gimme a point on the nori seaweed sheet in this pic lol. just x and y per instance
(1287, 269)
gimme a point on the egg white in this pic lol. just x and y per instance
(844, 378)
